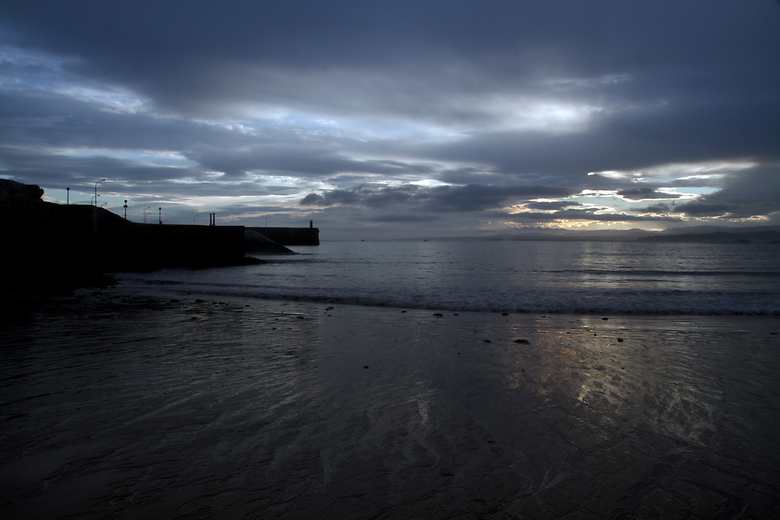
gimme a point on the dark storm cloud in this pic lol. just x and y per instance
(62, 122)
(630, 141)
(472, 197)
(752, 193)
(124, 177)
(659, 208)
(703, 209)
(475, 197)
(366, 196)
(198, 56)
(53, 169)
(296, 159)
(395, 218)
(745, 194)
(502, 101)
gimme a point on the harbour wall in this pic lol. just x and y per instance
(75, 237)
(46, 244)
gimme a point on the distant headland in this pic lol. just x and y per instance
(698, 235)
(58, 247)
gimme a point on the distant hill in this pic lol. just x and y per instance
(700, 234)
(567, 234)
(719, 237)
(696, 234)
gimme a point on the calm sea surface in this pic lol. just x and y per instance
(489, 276)
(124, 405)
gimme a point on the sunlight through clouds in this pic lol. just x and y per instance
(517, 114)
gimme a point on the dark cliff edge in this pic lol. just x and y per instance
(52, 248)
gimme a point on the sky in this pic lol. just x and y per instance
(398, 119)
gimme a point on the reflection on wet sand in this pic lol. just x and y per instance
(122, 405)
(646, 419)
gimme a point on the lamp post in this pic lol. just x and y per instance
(68, 199)
(147, 207)
(160, 219)
(125, 209)
(101, 180)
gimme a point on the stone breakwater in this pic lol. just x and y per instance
(51, 246)
(54, 244)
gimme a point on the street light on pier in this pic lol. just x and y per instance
(147, 207)
(96, 195)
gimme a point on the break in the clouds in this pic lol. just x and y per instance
(399, 118)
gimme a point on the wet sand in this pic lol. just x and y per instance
(129, 405)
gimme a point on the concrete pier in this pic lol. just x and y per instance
(53, 245)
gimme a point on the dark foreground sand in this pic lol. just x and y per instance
(135, 406)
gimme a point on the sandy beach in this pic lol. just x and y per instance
(160, 405)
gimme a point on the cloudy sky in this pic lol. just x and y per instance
(399, 118)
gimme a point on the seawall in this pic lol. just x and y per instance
(99, 239)
(51, 247)
(48, 245)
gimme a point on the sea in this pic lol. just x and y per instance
(576, 277)
(603, 405)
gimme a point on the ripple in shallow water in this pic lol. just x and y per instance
(129, 406)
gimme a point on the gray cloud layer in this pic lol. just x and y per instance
(472, 197)
(400, 110)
